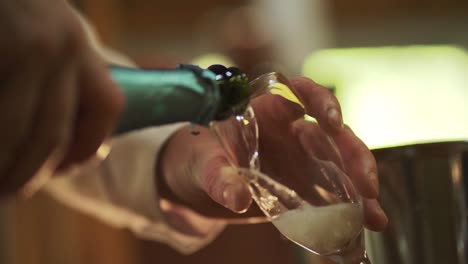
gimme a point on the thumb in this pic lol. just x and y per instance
(197, 171)
(222, 182)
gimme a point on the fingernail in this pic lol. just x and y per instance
(227, 172)
(230, 199)
(235, 196)
(334, 118)
(374, 182)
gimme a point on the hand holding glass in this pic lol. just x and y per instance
(295, 172)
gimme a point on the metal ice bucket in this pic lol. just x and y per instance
(423, 191)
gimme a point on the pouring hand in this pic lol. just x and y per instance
(57, 97)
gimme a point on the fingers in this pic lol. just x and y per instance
(316, 142)
(50, 131)
(46, 54)
(18, 103)
(319, 103)
(374, 217)
(101, 103)
(359, 162)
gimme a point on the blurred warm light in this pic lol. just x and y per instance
(398, 95)
(206, 60)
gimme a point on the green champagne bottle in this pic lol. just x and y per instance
(187, 93)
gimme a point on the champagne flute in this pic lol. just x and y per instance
(295, 172)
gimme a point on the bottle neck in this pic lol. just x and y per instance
(158, 97)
